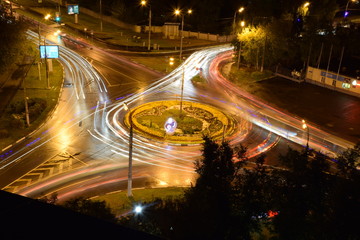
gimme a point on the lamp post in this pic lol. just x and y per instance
(144, 3)
(177, 13)
(101, 22)
(46, 63)
(182, 89)
(242, 24)
(305, 126)
(129, 187)
(50, 60)
(240, 10)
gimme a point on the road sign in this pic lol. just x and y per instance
(49, 51)
(72, 9)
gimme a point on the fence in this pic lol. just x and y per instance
(333, 81)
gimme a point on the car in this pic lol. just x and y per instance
(67, 84)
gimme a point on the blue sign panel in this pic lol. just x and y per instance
(49, 51)
(332, 76)
(73, 9)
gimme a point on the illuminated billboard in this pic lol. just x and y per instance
(73, 9)
(49, 51)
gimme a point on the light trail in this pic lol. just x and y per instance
(108, 129)
(282, 124)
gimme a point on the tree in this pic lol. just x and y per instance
(252, 199)
(12, 38)
(252, 41)
(229, 201)
(294, 206)
(208, 201)
(85, 206)
(345, 196)
(204, 211)
(314, 202)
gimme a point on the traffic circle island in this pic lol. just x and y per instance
(180, 123)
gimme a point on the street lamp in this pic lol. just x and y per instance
(305, 126)
(171, 63)
(144, 3)
(47, 16)
(177, 13)
(240, 10)
(346, 8)
(129, 188)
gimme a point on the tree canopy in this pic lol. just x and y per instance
(12, 38)
(305, 199)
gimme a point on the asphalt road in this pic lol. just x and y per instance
(83, 148)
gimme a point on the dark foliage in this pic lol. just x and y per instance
(35, 106)
(229, 201)
(12, 38)
(85, 206)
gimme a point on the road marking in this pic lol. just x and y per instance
(55, 165)
(116, 72)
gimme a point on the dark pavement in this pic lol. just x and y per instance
(331, 111)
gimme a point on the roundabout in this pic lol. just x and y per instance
(186, 123)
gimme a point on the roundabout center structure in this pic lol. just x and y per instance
(183, 123)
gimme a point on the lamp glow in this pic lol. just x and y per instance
(138, 209)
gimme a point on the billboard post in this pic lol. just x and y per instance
(48, 52)
(73, 9)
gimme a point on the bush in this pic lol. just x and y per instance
(35, 105)
(35, 111)
(17, 107)
(4, 133)
(260, 75)
(17, 121)
(41, 102)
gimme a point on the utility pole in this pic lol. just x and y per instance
(342, 54)
(308, 59)
(101, 23)
(263, 57)
(319, 59)
(181, 38)
(328, 65)
(149, 43)
(25, 97)
(239, 55)
(46, 65)
(182, 90)
(129, 190)
(26, 106)
(129, 187)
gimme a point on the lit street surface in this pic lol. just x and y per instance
(83, 148)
